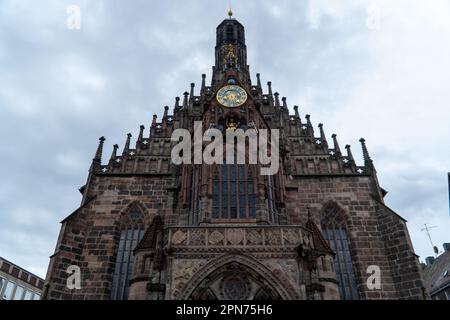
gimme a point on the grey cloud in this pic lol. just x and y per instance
(60, 90)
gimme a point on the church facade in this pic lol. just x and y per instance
(316, 229)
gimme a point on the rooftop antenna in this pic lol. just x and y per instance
(427, 230)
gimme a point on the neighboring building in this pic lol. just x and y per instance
(436, 275)
(149, 229)
(17, 283)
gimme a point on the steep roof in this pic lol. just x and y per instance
(437, 276)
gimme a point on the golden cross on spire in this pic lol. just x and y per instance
(230, 12)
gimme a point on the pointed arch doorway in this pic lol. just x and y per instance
(235, 278)
(234, 281)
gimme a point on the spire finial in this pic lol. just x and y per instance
(114, 153)
(277, 99)
(366, 155)
(141, 132)
(322, 136)
(349, 153)
(202, 90)
(127, 144)
(258, 82)
(367, 160)
(284, 99)
(230, 12)
(337, 149)
(185, 100)
(98, 153)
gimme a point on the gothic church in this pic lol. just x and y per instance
(151, 230)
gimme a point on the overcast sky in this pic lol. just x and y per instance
(378, 70)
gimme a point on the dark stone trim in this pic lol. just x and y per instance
(131, 174)
(139, 279)
(329, 280)
(156, 287)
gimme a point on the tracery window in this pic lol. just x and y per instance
(233, 194)
(131, 232)
(335, 232)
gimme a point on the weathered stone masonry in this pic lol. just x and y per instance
(148, 229)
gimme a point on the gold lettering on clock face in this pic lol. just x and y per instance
(232, 96)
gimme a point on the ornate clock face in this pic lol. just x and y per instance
(232, 96)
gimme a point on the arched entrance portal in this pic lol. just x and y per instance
(234, 281)
(235, 277)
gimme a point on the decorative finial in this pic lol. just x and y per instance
(366, 155)
(114, 153)
(337, 149)
(349, 153)
(98, 153)
(230, 12)
(127, 144)
(322, 135)
(141, 132)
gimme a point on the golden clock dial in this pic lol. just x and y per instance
(232, 96)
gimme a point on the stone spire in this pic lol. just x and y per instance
(98, 153)
(277, 100)
(177, 104)
(297, 114)
(185, 101)
(191, 95)
(285, 106)
(323, 138)
(141, 133)
(114, 154)
(126, 149)
(367, 160)
(269, 86)
(203, 88)
(258, 82)
(309, 125)
(349, 153)
(337, 149)
(370, 169)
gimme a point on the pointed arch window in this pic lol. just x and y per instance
(335, 232)
(229, 32)
(131, 232)
(233, 194)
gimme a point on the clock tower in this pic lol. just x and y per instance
(149, 229)
(231, 52)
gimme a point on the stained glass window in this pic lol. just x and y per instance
(131, 233)
(233, 195)
(343, 266)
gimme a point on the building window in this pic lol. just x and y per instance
(28, 295)
(233, 194)
(131, 233)
(2, 282)
(37, 296)
(8, 292)
(19, 293)
(343, 266)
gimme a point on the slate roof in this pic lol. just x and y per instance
(437, 276)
